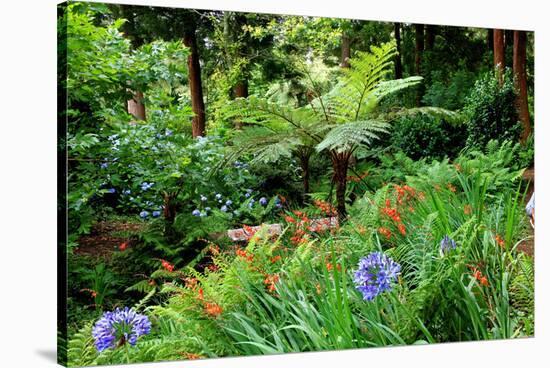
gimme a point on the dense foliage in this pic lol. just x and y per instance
(332, 202)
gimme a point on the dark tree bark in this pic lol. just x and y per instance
(490, 38)
(240, 91)
(431, 31)
(304, 164)
(346, 51)
(520, 74)
(419, 49)
(195, 83)
(398, 65)
(498, 53)
(340, 162)
(136, 107)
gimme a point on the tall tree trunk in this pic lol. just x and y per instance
(498, 53)
(136, 107)
(346, 51)
(430, 36)
(195, 83)
(520, 74)
(240, 90)
(490, 38)
(419, 49)
(304, 164)
(398, 65)
(340, 163)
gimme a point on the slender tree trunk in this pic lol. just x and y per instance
(240, 91)
(490, 38)
(398, 65)
(195, 84)
(498, 53)
(430, 36)
(304, 164)
(136, 107)
(346, 51)
(520, 74)
(419, 49)
(340, 167)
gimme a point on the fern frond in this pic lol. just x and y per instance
(347, 137)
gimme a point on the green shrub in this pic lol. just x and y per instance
(423, 135)
(491, 111)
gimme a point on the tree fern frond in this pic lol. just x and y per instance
(347, 137)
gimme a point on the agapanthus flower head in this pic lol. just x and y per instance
(247, 195)
(126, 192)
(223, 208)
(143, 214)
(375, 274)
(104, 165)
(263, 201)
(196, 212)
(156, 213)
(229, 202)
(447, 244)
(111, 190)
(117, 328)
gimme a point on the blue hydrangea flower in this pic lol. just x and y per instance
(156, 213)
(374, 274)
(104, 165)
(447, 244)
(223, 208)
(111, 190)
(196, 212)
(207, 209)
(127, 191)
(247, 195)
(143, 214)
(263, 201)
(120, 327)
(146, 186)
(168, 132)
(229, 202)
(203, 198)
(218, 196)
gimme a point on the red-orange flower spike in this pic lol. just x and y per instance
(385, 232)
(500, 241)
(213, 309)
(275, 259)
(402, 229)
(122, 247)
(167, 265)
(270, 281)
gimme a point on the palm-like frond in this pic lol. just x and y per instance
(346, 137)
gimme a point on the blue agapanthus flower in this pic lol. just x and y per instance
(196, 213)
(375, 274)
(447, 244)
(120, 327)
(223, 208)
(156, 213)
(111, 190)
(126, 192)
(229, 202)
(104, 165)
(263, 201)
(143, 214)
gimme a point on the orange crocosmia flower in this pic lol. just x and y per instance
(290, 219)
(275, 259)
(484, 281)
(201, 294)
(385, 232)
(500, 241)
(402, 229)
(270, 281)
(213, 309)
(451, 187)
(122, 247)
(167, 266)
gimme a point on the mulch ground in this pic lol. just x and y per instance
(103, 240)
